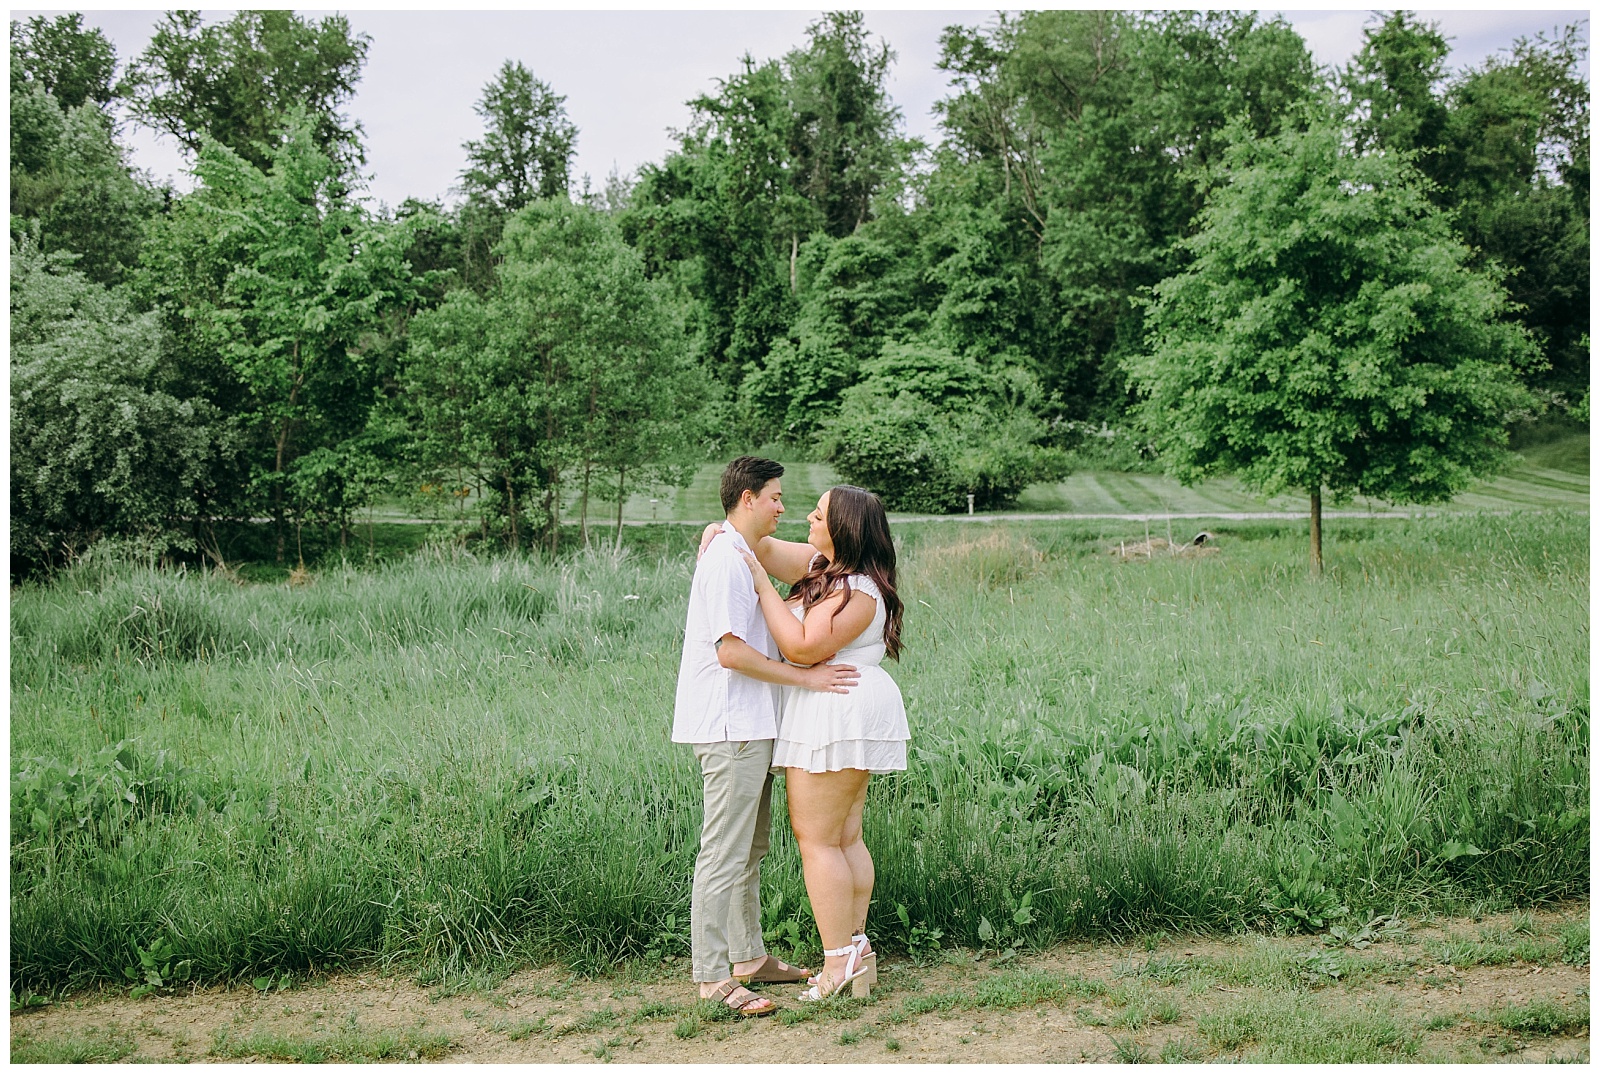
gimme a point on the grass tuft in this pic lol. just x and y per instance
(90, 1046)
(1542, 1016)
(344, 1046)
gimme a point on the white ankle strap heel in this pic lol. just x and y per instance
(855, 975)
(869, 959)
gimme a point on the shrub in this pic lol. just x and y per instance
(926, 428)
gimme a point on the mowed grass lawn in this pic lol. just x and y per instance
(452, 761)
(1550, 475)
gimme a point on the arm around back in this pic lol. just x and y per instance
(737, 655)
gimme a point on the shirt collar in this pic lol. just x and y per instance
(738, 538)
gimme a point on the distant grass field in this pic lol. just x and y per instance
(452, 761)
(1553, 474)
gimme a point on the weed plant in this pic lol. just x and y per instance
(455, 763)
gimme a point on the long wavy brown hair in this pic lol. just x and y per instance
(859, 527)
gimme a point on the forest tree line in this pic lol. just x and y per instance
(1042, 286)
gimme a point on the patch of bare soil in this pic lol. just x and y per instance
(1162, 998)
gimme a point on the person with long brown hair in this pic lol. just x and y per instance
(842, 605)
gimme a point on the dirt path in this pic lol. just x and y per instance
(1505, 987)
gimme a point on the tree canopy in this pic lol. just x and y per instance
(1170, 228)
(236, 81)
(1329, 332)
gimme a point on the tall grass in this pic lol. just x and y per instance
(452, 762)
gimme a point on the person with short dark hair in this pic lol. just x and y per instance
(842, 604)
(727, 708)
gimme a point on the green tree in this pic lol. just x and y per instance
(1082, 144)
(721, 206)
(1396, 88)
(1329, 333)
(525, 154)
(842, 143)
(781, 153)
(237, 81)
(73, 65)
(566, 368)
(527, 145)
(855, 293)
(1515, 168)
(100, 445)
(280, 279)
(925, 428)
(72, 187)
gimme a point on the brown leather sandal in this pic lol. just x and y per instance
(773, 971)
(750, 1006)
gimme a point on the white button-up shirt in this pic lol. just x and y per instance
(716, 704)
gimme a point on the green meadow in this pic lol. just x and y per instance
(449, 762)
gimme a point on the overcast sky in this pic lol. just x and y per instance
(627, 74)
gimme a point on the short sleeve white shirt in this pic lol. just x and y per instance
(714, 703)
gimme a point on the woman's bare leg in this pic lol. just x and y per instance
(862, 873)
(819, 807)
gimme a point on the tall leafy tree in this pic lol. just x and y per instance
(723, 205)
(842, 144)
(527, 145)
(1396, 87)
(1515, 168)
(72, 187)
(57, 55)
(782, 152)
(565, 369)
(1092, 136)
(1329, 333)
(236, 81)
(525, 154)
(855, 293)
(280, 279)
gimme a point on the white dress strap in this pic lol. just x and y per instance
(861, 583)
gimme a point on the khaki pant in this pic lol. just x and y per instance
(725, 906)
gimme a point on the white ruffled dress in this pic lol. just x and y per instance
(865, 728)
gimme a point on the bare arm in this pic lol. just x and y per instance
(787, 561)
(822, 634)
(735, 654)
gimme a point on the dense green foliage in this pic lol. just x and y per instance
(273, 284)
(100, 447)
(236, 82)
(934, 320)
(1329, 334)
(537, 379)
(460, 761)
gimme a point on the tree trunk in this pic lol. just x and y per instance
(588, 463)
(583, 509)
(511, 497)
(555, 509)
(277, 487)
(1316, 532)
(622, 494)
(553, 471)
(283, 446)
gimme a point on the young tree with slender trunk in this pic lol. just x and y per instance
(1328, 334)
(281, 280)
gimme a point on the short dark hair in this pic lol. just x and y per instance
(747, 472)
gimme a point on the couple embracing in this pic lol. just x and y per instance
(769, 685)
